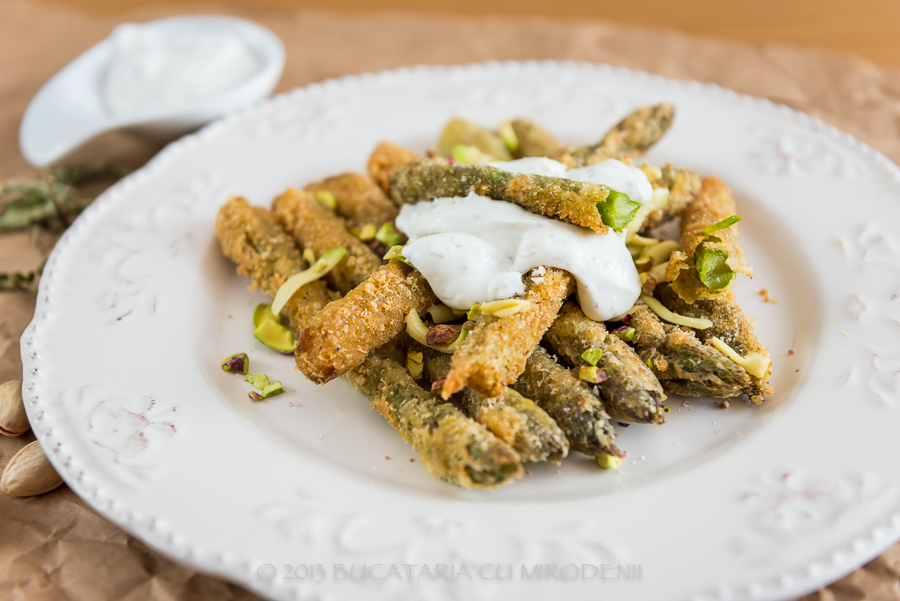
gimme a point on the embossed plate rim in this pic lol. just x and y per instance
(63, 451)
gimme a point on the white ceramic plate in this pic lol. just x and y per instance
(137, 308)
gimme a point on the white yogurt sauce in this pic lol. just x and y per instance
(474, 249)
(153, 71)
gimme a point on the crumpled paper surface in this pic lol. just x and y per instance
(55, 547)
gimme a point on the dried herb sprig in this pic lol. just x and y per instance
(50, 203)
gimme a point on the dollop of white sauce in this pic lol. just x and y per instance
(474, 249)
(153, 71)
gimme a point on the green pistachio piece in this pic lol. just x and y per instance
(592, 356)
(617, 210)
(275, 336)
(608, 462)
(508, 134)
(396, 252)
(238, 363)
(272, 389)
(326, 199)
(592, 374)
(259, 381)
(388, 236)
(470, 155)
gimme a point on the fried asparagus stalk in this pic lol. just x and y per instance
(384, 159)
(451, 446)
(369, 316)
(683, 185)
(682, 363)
(708, 257)
(569, 401)
(359, 199)
(466, 133)
(251, 237)
(630, 391)
(732, 327)
(512, 418)
(535, 141)
(319, 229)
(568, 200)
(630, 138)
(494, 353)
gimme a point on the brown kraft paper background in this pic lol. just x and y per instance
(54, 546)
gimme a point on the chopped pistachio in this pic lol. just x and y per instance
(474, 313)
(470, 155)
(592, 374)
(367, 233)
(387, 235)
(325, 263)
(442, 334)
(625, 333)
(441, 313)
(417, 329)
(617, 210)
(309, 256)
(396, 252)
(754, 363)
(275, 336)
(254, 395)
(259, 381)
(326, 199)
(659, 251)
(508, 134)
(238, 362)
(415, 364)
(505, 307)
(698, 323)
(263, 312)
(592, 356)
(608, 462)
(652, 173)
(272, 389)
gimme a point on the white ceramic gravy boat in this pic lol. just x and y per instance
(69, 109)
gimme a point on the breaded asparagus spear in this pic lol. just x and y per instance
(535, 141)
(630, 138)
(319, 229)
(450, 445)
(630, 391)
(494, 353)
(369, 316)
(681, 362)
(731, 326)
(384, 159)
(359, 199)
(251, 237)
(569, 200)
(708, 257)
(518, 421)
(683, 185)
(569, 401)
(467, 133)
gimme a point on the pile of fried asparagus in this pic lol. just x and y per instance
(515, 397)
